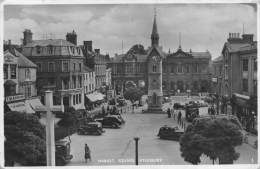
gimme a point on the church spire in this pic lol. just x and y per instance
(155, 35)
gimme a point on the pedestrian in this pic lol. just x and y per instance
(87, 153)
(169, 113)
(179, 117)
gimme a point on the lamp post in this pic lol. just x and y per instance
(136, 150)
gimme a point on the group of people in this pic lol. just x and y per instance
(211, 111)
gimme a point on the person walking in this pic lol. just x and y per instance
(179, 117)
(87, 153)
(169, 113)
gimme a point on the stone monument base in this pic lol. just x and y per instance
(154, 110)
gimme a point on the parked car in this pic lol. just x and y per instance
(121, 102)
(178, 106)
(170, 133)
(110, 122)
(92, 128)
(119, 118)
(62, 152)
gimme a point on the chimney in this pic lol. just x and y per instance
(97, 51)
(27, 36)
(235, 38)
(72, 37)
(248, 38)
(9, 42)
(88, 45)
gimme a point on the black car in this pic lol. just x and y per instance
(110, 122)
(119, 117)
(92, 128)
(170, 133)
(178, 106)
(62, 152)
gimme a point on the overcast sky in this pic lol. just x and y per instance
(202, 27)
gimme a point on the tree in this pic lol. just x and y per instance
(214, 137)
(133, 94)
(25, 139)
(69, 122)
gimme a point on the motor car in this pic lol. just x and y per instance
(119, 118)
(62, 152)
(178, 106)
(110, 122)
(170, 133)
(92, 128)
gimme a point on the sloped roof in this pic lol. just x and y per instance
(252, 46)
(220, 58)
(201, 54)
(235, 47)
(53, 42)
(22, 60)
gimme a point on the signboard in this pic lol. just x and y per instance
(19, 106)
(14, 98)
(214, 79)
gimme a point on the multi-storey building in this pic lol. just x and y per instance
(217, 69)
(182, 71)
(20, 82)
(239, 87)
(108, 77)
(97, 61)
(59, 68)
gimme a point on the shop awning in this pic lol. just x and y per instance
(28, 107)
(37, 105)
(17, 106)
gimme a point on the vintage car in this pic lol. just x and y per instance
(110, 122)
(170, 133)
(122, 121)
(191, 113)
(92, 128)
(62, 152)
(177, 106)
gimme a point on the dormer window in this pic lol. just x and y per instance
(50, 49)
(38, 49)
(72, 49)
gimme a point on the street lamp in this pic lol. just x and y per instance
(136, 150)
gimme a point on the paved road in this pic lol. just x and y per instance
(116, 146)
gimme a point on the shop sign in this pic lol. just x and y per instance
(14, 98)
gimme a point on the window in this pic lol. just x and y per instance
(74, 67)
(65, 66)
(86, 76)
(179, 69)
(197, 68)
(172, 69)
(255, 87)
(245, 85)
(72, 49)
(74, 81)
(74, 99)
(187, 68)
(255, 65)
(79, 98)
(5, 71)
(80, 81)
(27, 91)
(51, 67)
(50, 49)
(39, 67)
(86, 88)
(38, 49)
(65, 83)
(27, 74)
(13, 71)
(80, 67)
(90, 87)
(245, 64)
(154, 68)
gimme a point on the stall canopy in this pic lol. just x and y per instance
(93, 97)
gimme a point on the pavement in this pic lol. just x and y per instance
(117, 146)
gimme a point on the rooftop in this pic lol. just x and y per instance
(47, 42)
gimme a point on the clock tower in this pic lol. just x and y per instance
(154, 65)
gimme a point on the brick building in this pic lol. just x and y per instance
(59, 68)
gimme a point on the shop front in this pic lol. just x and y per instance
(245, 108)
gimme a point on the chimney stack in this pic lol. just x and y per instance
(248, 38)
(27, 36)
(72, 37)
(88, 45)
